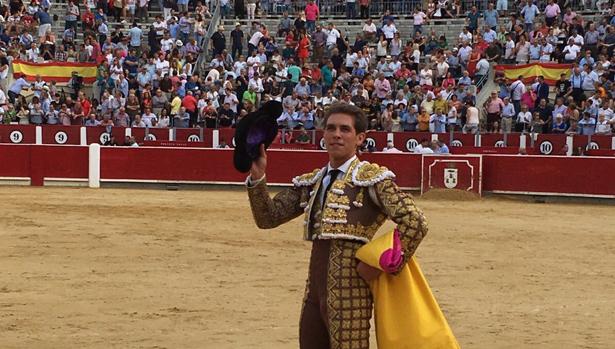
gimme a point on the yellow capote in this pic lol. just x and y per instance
(406, 312)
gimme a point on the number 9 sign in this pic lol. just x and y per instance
(61, 137)
(16, 137)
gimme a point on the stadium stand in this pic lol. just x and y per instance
(442, 66)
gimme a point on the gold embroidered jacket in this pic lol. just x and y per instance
(355, 207)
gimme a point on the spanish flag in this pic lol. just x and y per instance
(55, 71)
(550, 71)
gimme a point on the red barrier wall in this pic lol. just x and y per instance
(17, 134)
(93, 134)
(554, 175)
(57, 134)
(557, 175)
(43, 161)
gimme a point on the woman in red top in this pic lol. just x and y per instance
(303, 49)
(448, 81)
(474, 58)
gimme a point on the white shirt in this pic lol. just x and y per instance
(332, 36)
(166, 44)
(464, 53)
(369, 28)
(524, 117)
(389, 31)
(419, 18)
(256, 38)
(325, 182)
(465, 36)
(147, 119)
(472, 116)
(162, 66)
(419, 149)
(571, 51)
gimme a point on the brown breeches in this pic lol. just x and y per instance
(337, 305)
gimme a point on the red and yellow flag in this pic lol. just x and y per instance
(55, 71)
(550, 71)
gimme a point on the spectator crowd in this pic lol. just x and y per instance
(146, 74)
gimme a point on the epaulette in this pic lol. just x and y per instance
(367, 174)
(308, 179)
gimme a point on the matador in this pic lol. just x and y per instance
(343, 204)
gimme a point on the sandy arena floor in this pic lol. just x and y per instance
(84, 268)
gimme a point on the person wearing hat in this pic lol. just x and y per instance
(343, 205)
(218, 41)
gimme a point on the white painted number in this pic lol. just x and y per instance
(194, 138)
(323, 145)
(593, 145)
(546, 147)
(61, 137)
(104, 137)
(370, 142)
(411, 144)
(16, 137)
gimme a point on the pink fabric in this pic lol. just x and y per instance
(391, 259)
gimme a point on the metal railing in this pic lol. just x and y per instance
(396, 8)
(211, 29)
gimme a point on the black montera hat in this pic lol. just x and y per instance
(256, 128)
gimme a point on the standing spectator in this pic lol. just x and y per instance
(529, 12)
(312, 14)
(332, 36)
(552, 12)
(419, 18)
(189, 103)
(472, 19)
(237, 41)
(508, 114)
(491, 17)
(135, 34)
(472, 119)
(72, 15)
(351, 9)
(255, 40)
(364, 8)
(218, 40)
(251, 7)
(542, 90)
(45, 22)
(524, 118)
(494, 106)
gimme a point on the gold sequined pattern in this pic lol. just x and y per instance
(400, 208)
(269, 213)
(349, 301)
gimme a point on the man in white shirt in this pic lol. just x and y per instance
(465, 35)
(472, 119)
(524, 118)
(389, 30)
(424, 147)
(332, 35)
(162, 65)
(464, 54)
(148, 117)
(390, 148)
(254, 40)
(590, 78)
(571, 51)
(418, 19)
(369, 30)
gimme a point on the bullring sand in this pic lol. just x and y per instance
(112, 268)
